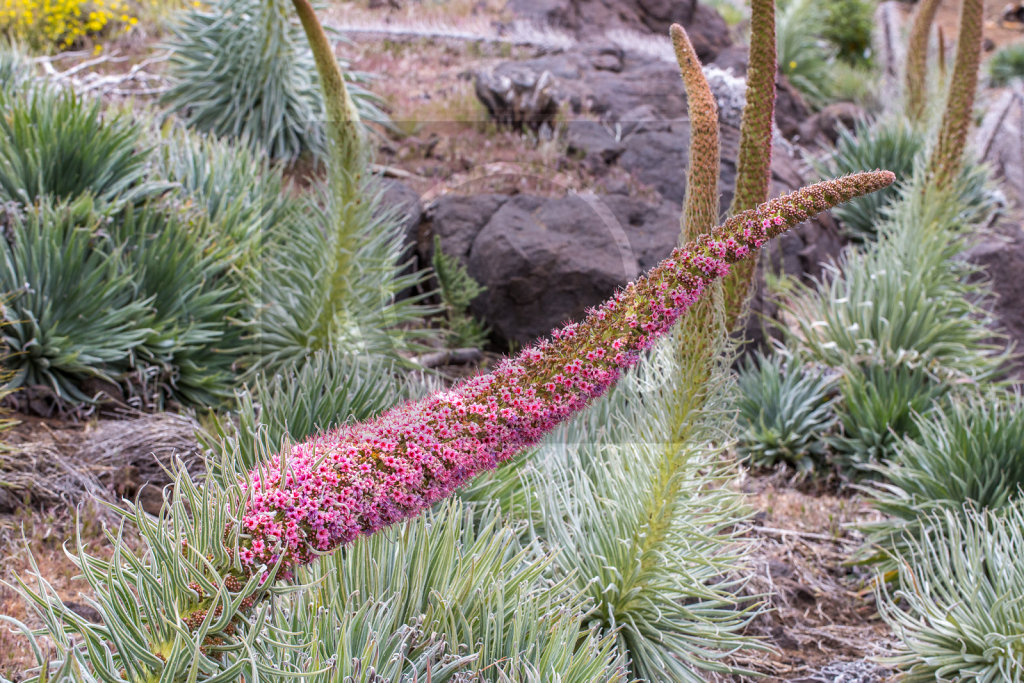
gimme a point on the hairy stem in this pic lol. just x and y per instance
(917, 58)
(700, 214)
(345, 137)
(754, 165)
(700, 211)
(947, 157)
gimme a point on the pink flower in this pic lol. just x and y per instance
(360, 478)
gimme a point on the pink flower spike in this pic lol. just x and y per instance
(360, 478)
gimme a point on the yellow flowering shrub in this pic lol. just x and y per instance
(46, 24)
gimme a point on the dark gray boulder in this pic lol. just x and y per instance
(457, 220)
(657, 157)
(404, 202)
(546, 260)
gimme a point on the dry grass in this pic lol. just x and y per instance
(44, 534)
(822, 610)
(51, 472)
(47, 463)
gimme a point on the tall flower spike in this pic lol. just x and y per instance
(917, 58)
(700, 211)
(345, 137)
(754, 165)
(358, 479)
(947, 156)
(704, 321)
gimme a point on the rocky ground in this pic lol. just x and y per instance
(551, 221)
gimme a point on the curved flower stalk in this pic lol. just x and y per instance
(195, 605)
(917, 58)
(704, 328)
(754, 165)
(345, 136)
(356, 480)
(947, 157)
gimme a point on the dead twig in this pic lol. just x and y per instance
(84, 78)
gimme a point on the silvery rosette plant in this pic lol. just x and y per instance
(240, 69)
(921, 406)
(955, 602)
(255, 572)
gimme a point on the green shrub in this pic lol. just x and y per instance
(457, 290)
(847, 27)
(878, 406)
(331, 279)
(329, 389)
(889, 143)
(463, 577)
(901, 319)
(74, 310)
(803, 57)
(181, 266)
(61, 145)
(785, 411)
(243, 69)
(237, 188)
(149, 299)
(978, 198)
(902, 302)
(1006, 65)
(15, 68)
(957, 608)
(971, 453)
(857, 84)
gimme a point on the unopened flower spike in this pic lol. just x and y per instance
(348, 150)
(947, 157)
(358, 479)
(754, 165)
(700, 211)
(917, 58)
(705, 320)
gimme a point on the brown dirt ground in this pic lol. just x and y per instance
(821, 609)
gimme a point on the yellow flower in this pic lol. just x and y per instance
(792, 65)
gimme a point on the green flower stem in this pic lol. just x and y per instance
(754, 165)
(348, 149)
(345, 136)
